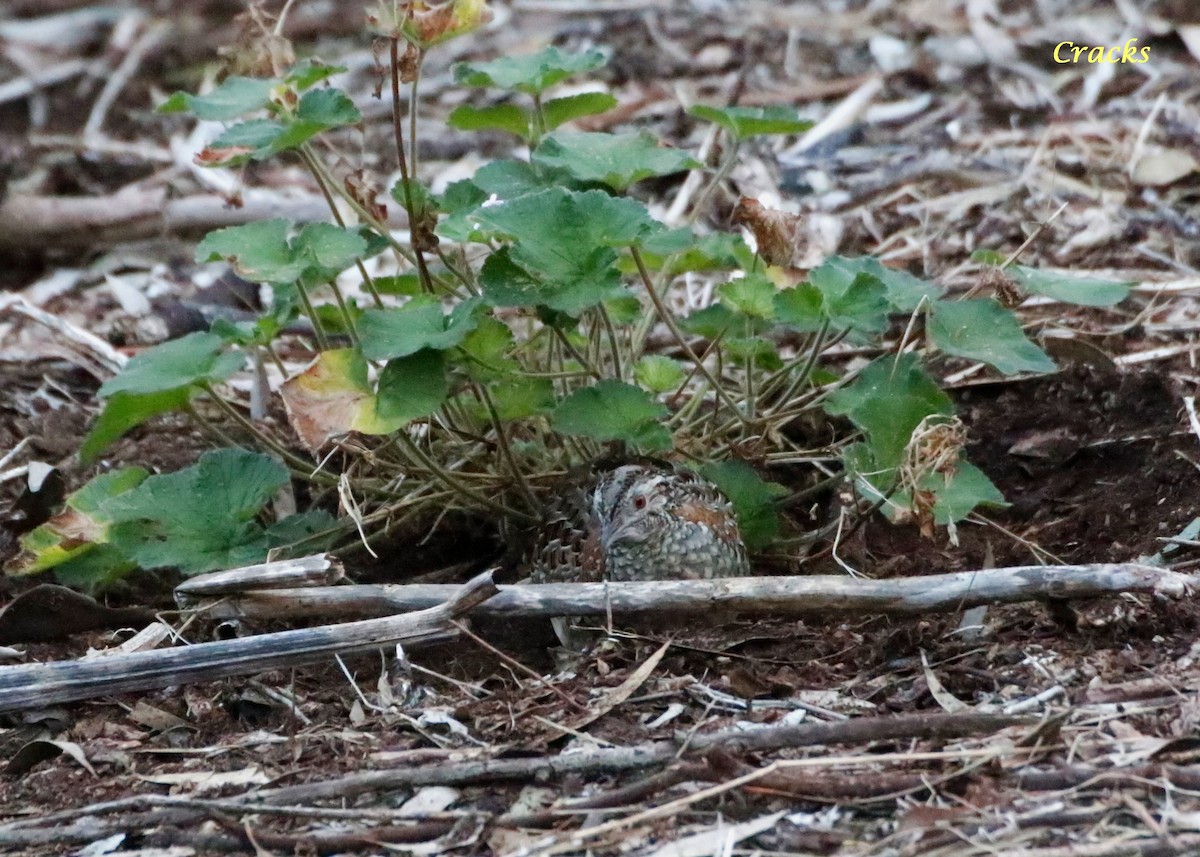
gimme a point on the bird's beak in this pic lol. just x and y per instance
(626, 532)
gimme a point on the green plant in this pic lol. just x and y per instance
(516, 345)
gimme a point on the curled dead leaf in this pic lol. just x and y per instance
(210, 157)
(776, 232)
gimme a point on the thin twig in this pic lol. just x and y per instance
(516, 665)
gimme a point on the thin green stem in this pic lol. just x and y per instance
(539, 121)
(748, 387)
(669, 320)
(228, 442)
(407, 176)
(456, 419)
(722, 173)
(711, 348)
(347, 318)
(505, 449)
(810, 400)
(303, 468)
(468, 284)
(783, 374)
(209, 426)
(574, 352)
(266, 346)
(412, 112)
(297, 467)
(453, 483)
(311, 312)
(369, 219)
(684, 417)
(611, 333)
(325, 182)
(807, 360)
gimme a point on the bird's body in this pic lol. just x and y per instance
(640, 522)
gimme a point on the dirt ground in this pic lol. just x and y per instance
(1055, 728)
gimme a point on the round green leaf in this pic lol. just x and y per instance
(199, 518)
(968, 488)
(617, 160)
(412, 387)
(851, 299)
(752, 295)
(745, 122)
(658, 373)
(1085, 291)
(556, 111)
(887, 401)
(594, 280)
(233, 98)
(561, 255)
(497, 117)
(419, 324)
(613, 410)
(516, 398)
(193, 359)
(258, 251)
(125, 411)
(530, 73)
(762, 351)
(904, 291)
(985, 331)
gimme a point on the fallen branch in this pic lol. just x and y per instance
(35, 685)
(135, 213)
(313, 570)
(609, 760)
(790, 596)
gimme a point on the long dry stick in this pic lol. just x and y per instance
(790, 596)
(29, 685)
(606, 760)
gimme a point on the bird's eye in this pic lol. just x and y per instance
(639, 502)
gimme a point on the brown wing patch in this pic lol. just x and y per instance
(718, 520)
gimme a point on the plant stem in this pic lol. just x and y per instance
(711, 348)
(292, 459)
(722, 173)
(406, 175)
(351, 330)
(325, 183)
(412, 112)
(808, 360)
(539, 122)
(574, 352)
(506, 450)
(366, 217)
(682, 418)
(455, 272)
(749, 386)
(311, 311)
(266, 346)
(453, 483)
(611, 332)
(669, 320)
(209, 426)
(784, 373)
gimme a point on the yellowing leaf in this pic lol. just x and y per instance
(330, 398)
(427, 24)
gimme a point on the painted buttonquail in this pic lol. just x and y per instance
(639, 522)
